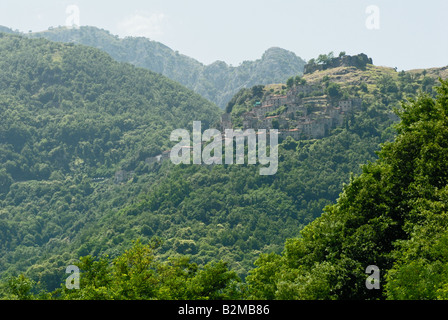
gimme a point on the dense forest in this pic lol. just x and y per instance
(72, 117)
(392, 215)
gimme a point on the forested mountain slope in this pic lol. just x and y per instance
(72, 118)
(392, 216)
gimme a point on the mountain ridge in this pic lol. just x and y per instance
(217, 82)
(72, 116)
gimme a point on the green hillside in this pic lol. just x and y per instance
(392, 216)
(78, 128)
(71, 117)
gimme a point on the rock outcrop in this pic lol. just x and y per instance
(359, 61)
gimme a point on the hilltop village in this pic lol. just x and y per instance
(304, 112)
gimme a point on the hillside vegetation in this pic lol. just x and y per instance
(393, 216)
(72, 118)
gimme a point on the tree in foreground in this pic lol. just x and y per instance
(138, 275)
(392, 216)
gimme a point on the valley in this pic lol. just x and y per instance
(85, 178)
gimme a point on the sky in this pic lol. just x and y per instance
(395, 33)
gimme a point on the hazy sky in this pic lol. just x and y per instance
(397, 33)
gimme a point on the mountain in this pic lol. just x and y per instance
(64, 97)
(217, 82)
(234, 214)
(8, 30)
(386, 237)
(79, 184)
(71, 117)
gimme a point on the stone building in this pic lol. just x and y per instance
(165, 155)
(261, 112)
(152, 160)
(294, 133)
(275, 100)
(123, 176)
(305, 89)
(294, 109)
(250, 120)
(267, 123)
(226, 121)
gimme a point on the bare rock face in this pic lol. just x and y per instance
(359, 61)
